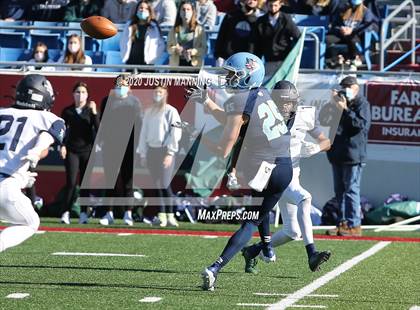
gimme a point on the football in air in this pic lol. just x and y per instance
(98, 27)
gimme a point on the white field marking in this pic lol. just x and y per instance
(210, 237)
(96, 254)
(305, 291)
(310, 295)
(17, 295)
(415, 308)
(125, 234)
(293, 306)
(150, 299)
(40, 232)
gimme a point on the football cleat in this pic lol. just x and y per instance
(250, 262)
(317, 259)
(65, 218)
(108, 219)
(267, 254)
(209, 276)
(232, 182)
(128, 219)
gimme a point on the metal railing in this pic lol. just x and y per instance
(409, 22)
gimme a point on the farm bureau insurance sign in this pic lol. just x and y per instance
(395, 113)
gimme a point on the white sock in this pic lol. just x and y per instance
(111, 214)
(279, 238)
(14, 235)
(129, 213)
(305, 223)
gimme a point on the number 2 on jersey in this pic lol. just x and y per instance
(8, 120)
(270, 115)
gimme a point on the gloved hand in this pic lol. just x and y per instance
(308, 149)
(29, 179)
(33, 157)
(197, 95)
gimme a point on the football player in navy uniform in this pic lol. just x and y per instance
(252, 115)
(27, 129)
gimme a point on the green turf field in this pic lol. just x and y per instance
(171, 270)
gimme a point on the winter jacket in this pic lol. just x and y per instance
(154, 45)
(349, 146)
(358, 18)
(206, 14)
(274, 43)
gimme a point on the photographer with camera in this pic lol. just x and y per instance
(348, 152)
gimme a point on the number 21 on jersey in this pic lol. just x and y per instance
(274, 125)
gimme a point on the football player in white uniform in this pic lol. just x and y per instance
(295, 213)
(27, 129)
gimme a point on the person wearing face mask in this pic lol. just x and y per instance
(158, 145)
(82, 122)
(347, 27)
(348, 152)
(124, 106)
(206, 13)
(236, 31)
(273, 36)
(141, 42)
(187, 40)
(40, 54)
(77, 10)
(119, 11)
(75, 55)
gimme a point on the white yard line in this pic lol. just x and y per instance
(293, 306)
(96, 254)
(150, 299)
(18, 295)
(210, 237)
(305, 291)
(285, 295)
(125, 234)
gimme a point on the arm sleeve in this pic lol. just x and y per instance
(220, 46)
(176, 133)
(211, 16)
(293, 30)
(58, 130)
(125, 43)
(200, 43)
(171, 41)
(142, 146)
(88, 61)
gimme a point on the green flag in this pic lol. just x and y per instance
(289, 70)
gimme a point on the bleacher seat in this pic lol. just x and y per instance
(11, 24)
(46, 24)
(10, 53)
(311, 20)
(112, 58)
(97, 57)
(111, 44)
(13, 39)
(55, 54)
(52, 40)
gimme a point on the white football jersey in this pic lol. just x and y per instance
(19, 130)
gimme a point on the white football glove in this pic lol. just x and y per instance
(197, 95)
(29, 179)
(308, 149)
(33, 157)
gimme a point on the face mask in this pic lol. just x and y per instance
(39, 56)
(73, 48)
(246, 8)
(186, 15)
(143, 15)
(80, 97)
(121, 91)
(349, 94)
(157, 98)
(356, 2)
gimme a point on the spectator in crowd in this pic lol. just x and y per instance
(119, 11)
(348, 152)
(11, 10)
(51, 10)
(274, 35)
(347, 27)
(80, 9)
(187, 42)
(206, 13)
(226, 6)
(165, 12)
(313, 7)
(74, 54)
(40, 54)
(82, 122)
(159, 143)
(235, 31)
(120, 105)
(142, 42)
